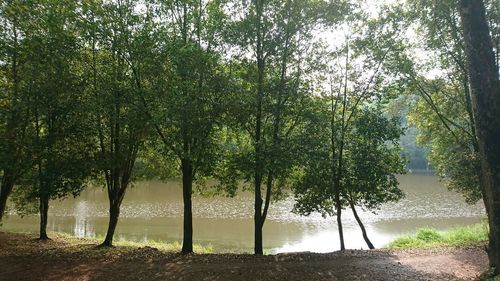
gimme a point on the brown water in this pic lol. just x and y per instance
(153, 211)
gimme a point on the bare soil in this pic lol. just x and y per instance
(22, 257)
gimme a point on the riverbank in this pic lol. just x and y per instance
(23, 257)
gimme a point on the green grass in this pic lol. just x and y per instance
(175, 246)
(163, 246)
(429, 237)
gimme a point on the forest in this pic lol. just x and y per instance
(313, 99)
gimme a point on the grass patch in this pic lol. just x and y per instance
(123, 245)
(429, 237)
(164, 246)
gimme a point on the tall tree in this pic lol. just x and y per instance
(357, 80)
(364, 176)
(13, 99)
(485, 96)
(112, 32)
(375, 159)
(272, 36)
(58, 111)
(187, 102)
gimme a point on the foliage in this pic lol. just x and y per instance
(371, 159)
(15, 148)
(351, 150)
(269, 38)
(443, 113)
(451, 149)
(60, 143)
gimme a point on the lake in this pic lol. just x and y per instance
(153, 211)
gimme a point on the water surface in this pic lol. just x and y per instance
(153, 211)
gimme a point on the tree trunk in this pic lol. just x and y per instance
(360, 223)
(5, 190)
(258, 224)
(114, 214)
(44, 209)
(258, 249)
(187, 190)
(260, 215)
(485, 95)
(338, 207)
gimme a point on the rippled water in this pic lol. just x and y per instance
(153, 211)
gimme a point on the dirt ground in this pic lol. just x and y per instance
(22, 257)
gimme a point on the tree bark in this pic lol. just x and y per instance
(338, 207)
(44, 210)
(485, 96)
(187, 190)
(258, 249)
(114, 214)
(5, 190)
(360, 223)
(258, 222)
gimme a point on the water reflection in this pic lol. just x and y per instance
(153, 210)
(82, 227)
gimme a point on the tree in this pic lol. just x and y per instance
(13, 99)
(187, 102)
(113, 38)
(375, 159)
(485, 96)
(349, 167)
(57, 110)
(273, 33)
(358, 80)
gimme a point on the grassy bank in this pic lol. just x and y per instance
(160, 245)
(429, 237)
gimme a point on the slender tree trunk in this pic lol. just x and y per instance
(339, 171)
(258, 222)
(485, 93)
(187, 190)
(261, 214)
(5, 189)
(360, 223)
(114, 214)
(44, 212)
(338, 207)
(258, 249)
